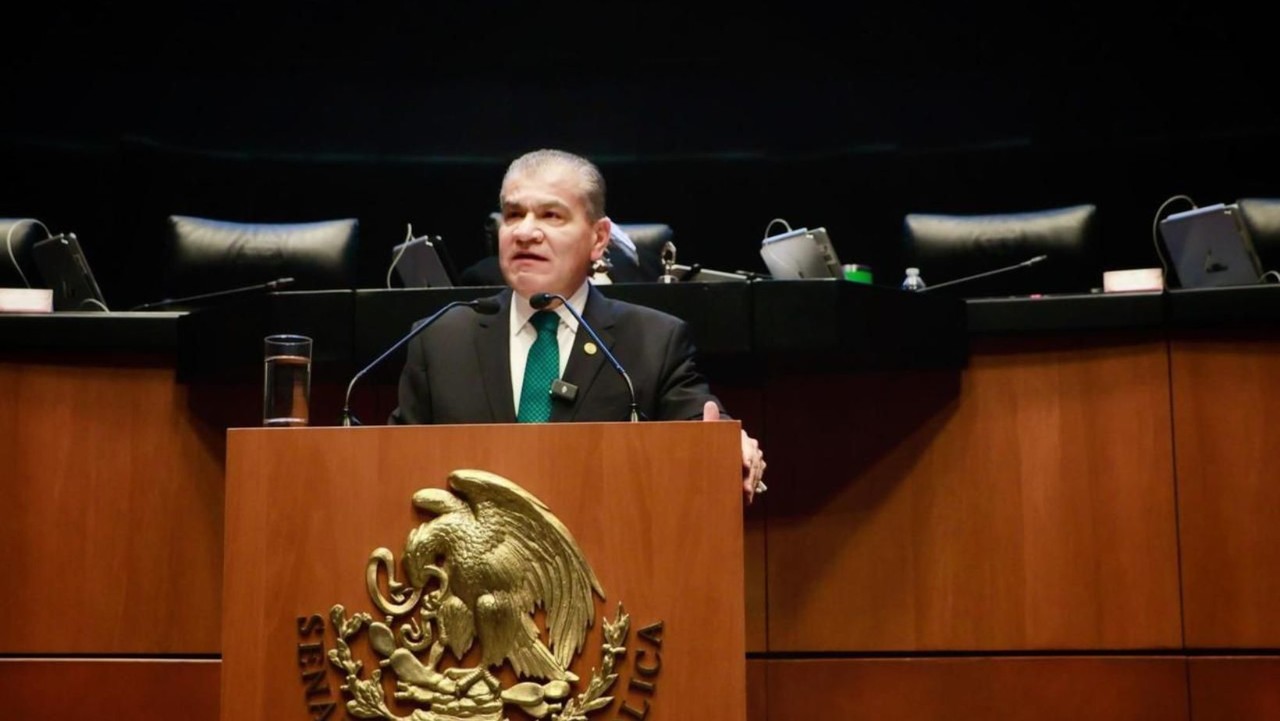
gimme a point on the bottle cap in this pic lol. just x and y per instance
(857, 273)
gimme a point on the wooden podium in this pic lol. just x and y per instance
(655, 509)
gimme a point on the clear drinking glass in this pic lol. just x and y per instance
(286, 382)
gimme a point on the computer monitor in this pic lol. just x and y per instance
(800, 254)
(1209, 247)
(422, 263)
(66, 272)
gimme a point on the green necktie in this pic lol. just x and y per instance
(540, 370)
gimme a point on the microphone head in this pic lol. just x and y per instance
(485, 306)
(541, 300)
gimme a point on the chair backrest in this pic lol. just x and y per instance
(649, 239)
(948, 247)
(1261, 218)
(17, 235)
(210, 255)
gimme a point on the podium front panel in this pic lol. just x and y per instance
(655, 510)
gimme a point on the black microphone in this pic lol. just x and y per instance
(542, 300)
(485, 306)
(276, 284)
(1024, 264)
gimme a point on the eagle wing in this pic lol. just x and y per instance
(538, 555)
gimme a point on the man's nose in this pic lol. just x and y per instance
(527, 230)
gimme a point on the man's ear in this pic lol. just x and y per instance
(600, 237)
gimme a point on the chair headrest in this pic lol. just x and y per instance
(206, 255)
(946, 247)
(648, 235)
(1261, 218)
(649, 238)
(17, 235)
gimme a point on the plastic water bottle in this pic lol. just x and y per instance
(913, 281)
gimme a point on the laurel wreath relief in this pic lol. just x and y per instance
(367, 699)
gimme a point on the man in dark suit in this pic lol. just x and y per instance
(471, 368)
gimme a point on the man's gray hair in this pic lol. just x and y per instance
(592, 180)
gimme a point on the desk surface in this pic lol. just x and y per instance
(89, 331)
(833, 322)
(1174, 309)
(847, 324)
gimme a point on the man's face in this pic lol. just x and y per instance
(547, 242)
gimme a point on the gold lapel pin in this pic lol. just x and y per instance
(589, 348)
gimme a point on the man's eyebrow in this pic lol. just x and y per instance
(538, 204)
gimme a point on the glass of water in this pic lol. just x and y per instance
(286, 383)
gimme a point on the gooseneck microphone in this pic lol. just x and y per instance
(1024, 264)
(269, 286)
(484, 306)
(542, 300)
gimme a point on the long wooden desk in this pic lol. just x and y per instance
(1068, 515)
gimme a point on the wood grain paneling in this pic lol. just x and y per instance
(746, 404)
(656, 509)
(757, 690)
(991, 689)
(1236, 688)
(112, 539)
(1026, 503)
(134, 689)
(1227, 430)
(223, 404)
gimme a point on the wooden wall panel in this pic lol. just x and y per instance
(1026, 503)
(991, 689)
(237, 404)
(134, 689)
(1231, 689)
(746, 404)
(1227, 430)
(757, 690)
(112, 538)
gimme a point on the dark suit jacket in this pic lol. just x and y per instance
(459, 369)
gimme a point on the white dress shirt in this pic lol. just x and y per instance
(523, 334)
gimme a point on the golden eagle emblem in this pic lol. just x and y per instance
(491, 556)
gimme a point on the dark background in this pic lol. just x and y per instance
(714, 120)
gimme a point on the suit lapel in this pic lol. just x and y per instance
(583, 368)
(493, 356)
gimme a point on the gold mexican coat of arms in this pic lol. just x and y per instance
(476, 573)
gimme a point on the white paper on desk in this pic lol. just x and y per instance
(26, 300)
(1126, 281)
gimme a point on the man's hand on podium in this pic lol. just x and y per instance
(753, 464)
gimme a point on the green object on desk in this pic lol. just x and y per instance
(857, 273)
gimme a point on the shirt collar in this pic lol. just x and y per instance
(521, 311)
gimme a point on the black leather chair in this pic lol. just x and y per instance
(17, 235)
(949, 247)
(1261, 218)
(208, 255)
(649, 239)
